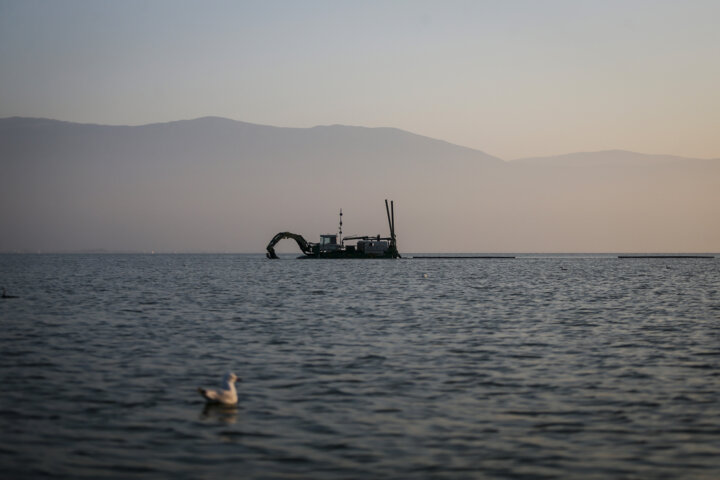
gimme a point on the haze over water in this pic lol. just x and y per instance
(538, 367)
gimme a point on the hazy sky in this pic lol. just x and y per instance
(512, 78)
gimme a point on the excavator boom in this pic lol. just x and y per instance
(304, 245)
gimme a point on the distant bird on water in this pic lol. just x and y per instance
(5, 295)
(225, 396)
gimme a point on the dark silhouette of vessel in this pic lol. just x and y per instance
(335, 246)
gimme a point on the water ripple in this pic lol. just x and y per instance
(532, 368)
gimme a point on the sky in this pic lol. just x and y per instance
(512, 78)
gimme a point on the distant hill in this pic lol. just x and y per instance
(605, 158)
(216, 140)
(213, 184)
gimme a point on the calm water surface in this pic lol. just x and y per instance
(562, 367)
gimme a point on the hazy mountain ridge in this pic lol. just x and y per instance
(242, 134)
(39, 132)
(213, 184)
(607, 157)
(212, 127)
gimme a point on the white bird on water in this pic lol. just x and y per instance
(225, 396)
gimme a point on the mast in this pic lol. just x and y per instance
(340, 229)
(392, 214)
(390, 210)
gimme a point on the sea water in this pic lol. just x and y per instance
(557, 367)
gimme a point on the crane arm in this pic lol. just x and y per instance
(302, 243)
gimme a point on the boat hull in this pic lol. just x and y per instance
(349, 255)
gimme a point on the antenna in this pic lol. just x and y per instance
(340, 229)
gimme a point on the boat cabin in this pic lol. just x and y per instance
(328, 243)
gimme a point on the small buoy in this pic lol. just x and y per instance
(425, 275)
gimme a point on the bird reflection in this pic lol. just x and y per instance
(5, 295)
(226, 414)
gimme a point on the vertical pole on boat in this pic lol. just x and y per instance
(340, 241)
(391, 223)
(392, 213)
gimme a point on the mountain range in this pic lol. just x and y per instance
(216, 185)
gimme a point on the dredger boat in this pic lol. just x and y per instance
(335, 246)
